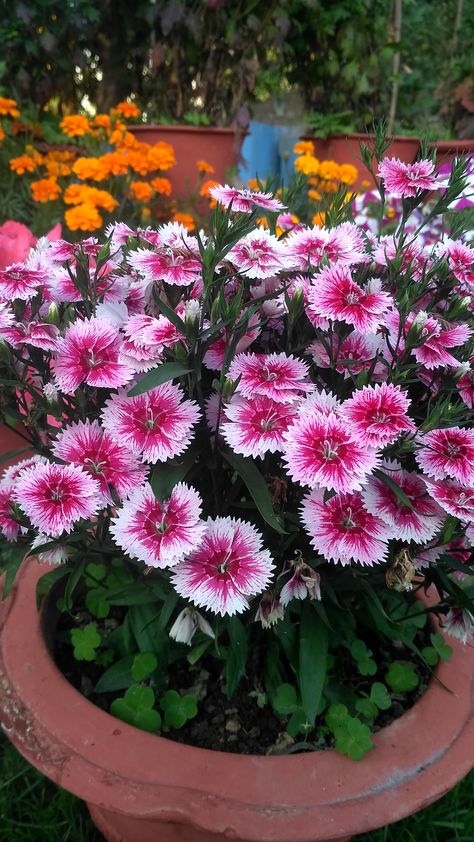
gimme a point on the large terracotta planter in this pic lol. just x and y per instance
(217, 146)
(143, 788)
(345, 149)
(446, 150)
(9, 442)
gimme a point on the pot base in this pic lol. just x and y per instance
(120, 828)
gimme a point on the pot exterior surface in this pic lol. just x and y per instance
(122, 771)
(219, 147)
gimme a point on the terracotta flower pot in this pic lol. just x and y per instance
(217, 146)
(446, 150)
(345, 149)
(9, 442)
(141, 787)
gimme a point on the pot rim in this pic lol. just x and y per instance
(184, 129)
(416, 759)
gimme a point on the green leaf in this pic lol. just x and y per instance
(362, 655)
(367, 708)
(177, 708)
(159, 375)
(353, 738)
(298, 723)
(136, 708)
(312, 660)
(117, 677)
(401, 677)
(166, 475)
(285, 700)
(237, 654)
(85, 641)
(442, 648)
(198, 651)
(336, 716)
(10, 564)
(430, 655)
(143, 665)
(393, 486)
(94, 574)
(96, 603)
(12, 454)
(46, 582)
(257, 487)
(380, 696)
(150, 638)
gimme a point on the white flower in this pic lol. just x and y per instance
(186, 625)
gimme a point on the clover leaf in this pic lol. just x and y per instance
(96, 604)
(380, 696)
(178, 709)
(285, 700)
(367, 708)
(143, 665)
(85, 642)
(430, 655)
(363, 657)
(401, 677)
(335, 716)
(353, 738)
(136, 708)
(442, 648)
(94, 574)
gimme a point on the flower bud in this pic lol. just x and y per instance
(186, 625)
(53, 317)
(270, 610)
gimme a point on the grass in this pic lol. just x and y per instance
(32, 809)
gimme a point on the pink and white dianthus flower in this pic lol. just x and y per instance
(38, 334)
(342, 529)
(406, 180)
(85, 443)
(336, 296)
(89, 353)
(448, 453)
(174, 266)
(466, 386)
(9, 523)
(229, 567)
(419, 521)
(61, 251)
(258, 255)
(306, 248)
(18, 281)
(215, 355)
(55, 497)
(356, 353)
(243, 200)
(322, 450)
(378, 414)
(156, 425)
(327, 403)
(160, 533)
(454, 498)
(281, 377)
(461, 261)
(7, 317)
(11, 474)
(413, 259)
(305, 582)
(255, 426)
(437, 337)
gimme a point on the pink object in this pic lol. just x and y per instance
(141, 788)
(16, 240)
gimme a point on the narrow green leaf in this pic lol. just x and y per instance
(170, 314)
(166, 475)
(237, 654)
(12, 454)
(116, 677)
(256, 485)
(47, 581)
(393, 486)
(72, 583)
(10, 566)
(312, 660)
(159, 375)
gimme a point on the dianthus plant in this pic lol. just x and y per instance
(244, 443)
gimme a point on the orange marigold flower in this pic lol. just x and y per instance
(127, 109)
(101, 121)
(203, 166)
(76, 125)
(160, 156)
(83, 217)
(185, 219)
(329, 170)
(347, 173)
(128, 141)
(263, 222)
(162, 186)
(252, 184)
(45, 190)
(307, 164)
(318, 219)
(114, 163)
(146, 213)
(206, 186)
(141, 191)
(304, 147)
(56, 168)
(2, 134)
(9, 107)
(315, 195)
(22, 164)
(94, 168)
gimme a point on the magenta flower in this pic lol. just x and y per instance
(419, 521)
(466, 387)
(281, 377)
(55, 497)
(255, 426)
(354, 354)
(461, 261)
(436, 336)
(86, 444)
(322, 450)
(89, 353)
(61, 250)
(326, 403)
(378, 414)
(9, 523)
(406, 180)
(18, 281)
(160, 533)
(307, 247)
(156, 425)
(38, 334)
(452, 497)
(342, 529)
(304, 582)
(336, 296)
(448, 454)
(413, 258)
(258, 255)
(244, 201)
(175, 266)
(228, 567)
(459, 623)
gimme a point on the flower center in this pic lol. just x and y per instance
(347, 520)
(329, 450)
(269, 376)
(353, 297)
